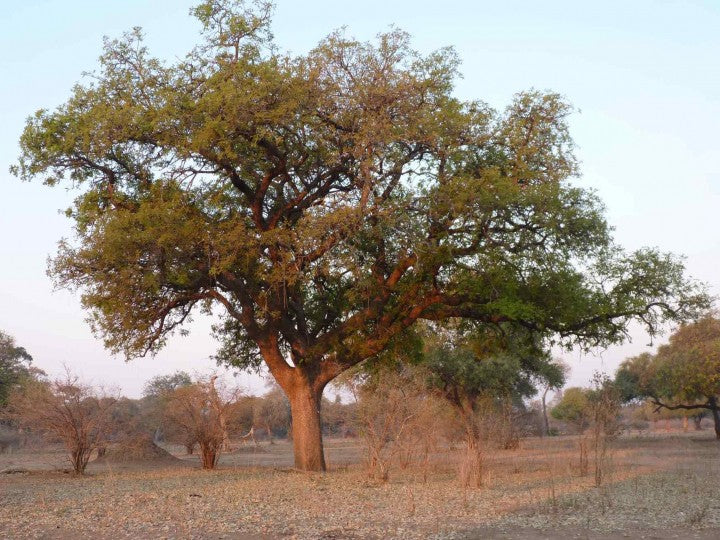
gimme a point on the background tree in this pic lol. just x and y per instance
(15, 366)
(482, 369)
(548, 385)
(683, 375)
(574, 408)
(67, 410)
(327, 202)
(161, 386)
(272, 413)
(156, 392)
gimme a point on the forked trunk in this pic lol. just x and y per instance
(306, 427)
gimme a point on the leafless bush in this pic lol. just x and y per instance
(67, 410)
(399, 421)
(604, 402)
(202, 412)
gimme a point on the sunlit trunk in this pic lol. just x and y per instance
(306, 427)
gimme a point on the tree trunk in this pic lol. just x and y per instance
(546, 421)
(306, 427)
(716, 415)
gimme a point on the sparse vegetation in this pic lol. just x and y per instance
(344, 220)
(65, 410)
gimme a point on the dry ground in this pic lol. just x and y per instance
(658, 487)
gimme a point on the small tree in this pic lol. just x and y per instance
(15, 366)
(68, 410)
(481, 375)
(201, 412)
(550, 385)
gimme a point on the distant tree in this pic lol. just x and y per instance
(574, 408)
(67, 410)
(327, 202)
(201, 411)
(14, 366)
(550, 384)
(475, 370)
(272, 413)
(161, 386)
(683, 375)
(155, 395)
(337, 417)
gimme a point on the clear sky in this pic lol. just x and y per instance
(644, 76)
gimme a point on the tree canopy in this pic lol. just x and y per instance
(161, 386)
(14, 365)
(684, 374)
(321, 204)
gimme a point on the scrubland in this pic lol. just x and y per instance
(657, 486)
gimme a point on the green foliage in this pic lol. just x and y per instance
(14, 366)
(329, 201)
(684, 374)
(504, 363)
(574, 407)
(162, 385)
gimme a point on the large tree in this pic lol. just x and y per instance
(325, 203)
(683, 375)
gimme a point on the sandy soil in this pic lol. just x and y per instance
(658, 487)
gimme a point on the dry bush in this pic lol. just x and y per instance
(486, 423)
(480, 425)
(202, 412)
(66, 410)
(397, 419)
(604, 403)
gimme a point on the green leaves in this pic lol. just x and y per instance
(327, 202)
(686, 371)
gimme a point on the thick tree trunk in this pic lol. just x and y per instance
(716, 415)
(306, 427)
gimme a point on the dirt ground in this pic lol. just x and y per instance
(657, 487)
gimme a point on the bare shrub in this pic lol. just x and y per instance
(393, 415)
(481, 426)
(65, 409)
(202, 412)
(604, 403)
(574, 408)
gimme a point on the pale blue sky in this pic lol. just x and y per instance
(644, 75)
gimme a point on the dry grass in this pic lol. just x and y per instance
(654, 484)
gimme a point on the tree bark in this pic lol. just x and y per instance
(306, 426)
(712, 402)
